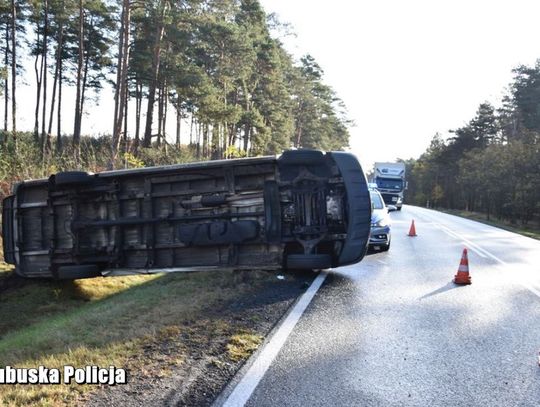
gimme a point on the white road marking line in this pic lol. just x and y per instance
(530, 288)
(478, 250)
(244, 389)
(475, 248)
(466, 242)
(534, 290)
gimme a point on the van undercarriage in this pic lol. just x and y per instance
(303, 210)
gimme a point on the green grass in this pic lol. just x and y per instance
(529, 231)
(104, 321)
(35, 301)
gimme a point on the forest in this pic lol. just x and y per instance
(492, 164)
(216, 67)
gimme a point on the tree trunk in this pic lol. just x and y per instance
(59, 112)
(206, 133)
(118, 79)
(298, 137)
(155, 77)
(191, 131)
(230, 136)
(56, 74)
(165, 109)
(224, 139)
(160, 115)
(178, 122)
(215, 142)
(198, 139)
(39, 73)
(6, 82)
(78, 105)
(138, 108)
(13, 72)
(84, 87)
(45, 139)
(53, 100)
(121, 94)
(125, 133)
(247, 135)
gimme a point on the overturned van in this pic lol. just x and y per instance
(302, 210)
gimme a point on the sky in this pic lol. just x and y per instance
(405, 69)
(409, 69)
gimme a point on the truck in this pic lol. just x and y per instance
(390, 181)
(303, 210)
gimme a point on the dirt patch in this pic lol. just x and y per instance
(189, 364)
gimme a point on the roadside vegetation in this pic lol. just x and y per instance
(25, 162)
(114, 321)
(217, 68)
(530, 231)
(243, 344)
(491, 166)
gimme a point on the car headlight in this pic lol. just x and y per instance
(380, 223)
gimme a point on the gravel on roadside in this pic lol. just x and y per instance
(189, 365)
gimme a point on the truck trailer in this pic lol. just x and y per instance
(390, 181)
(302, 210)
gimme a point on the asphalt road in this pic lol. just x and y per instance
(394, 331)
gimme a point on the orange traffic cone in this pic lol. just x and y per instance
(462, 277)
(412, 230)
